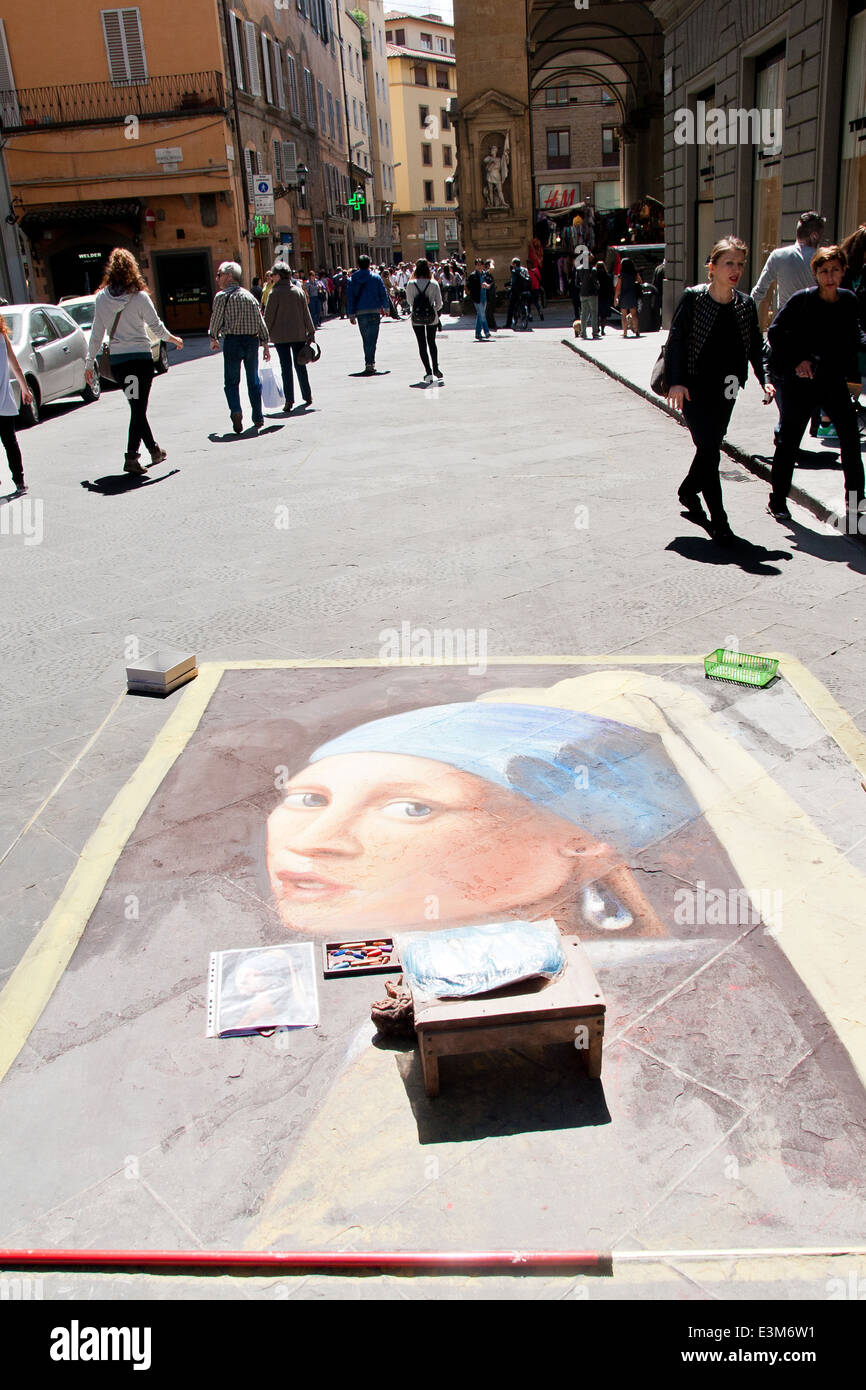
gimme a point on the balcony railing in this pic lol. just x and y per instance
(103, 103)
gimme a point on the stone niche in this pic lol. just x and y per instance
(495, 177)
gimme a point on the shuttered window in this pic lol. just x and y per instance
(124, 45)
(235, 26)
(278, 162)
(290, 160)
(248, 165)
(309, 97)
(266, 69)
(293, 84)
(8, 98)
(252, 58)
(278, 73)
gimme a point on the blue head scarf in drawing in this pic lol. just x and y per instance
(614, 781)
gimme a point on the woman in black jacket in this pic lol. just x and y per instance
(714, 336)
(814, 343)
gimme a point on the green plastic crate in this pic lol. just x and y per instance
(739, 667)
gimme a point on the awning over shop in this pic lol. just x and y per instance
(61, 214)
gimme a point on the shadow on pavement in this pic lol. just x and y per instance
(519, 1091)
(113, 484)
(751, 558)
(249, 433)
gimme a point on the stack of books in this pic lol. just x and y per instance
(160, 673)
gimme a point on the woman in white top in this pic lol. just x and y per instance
(9, 367)
(122, 309)
(425, 304)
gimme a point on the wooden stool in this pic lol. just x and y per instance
(568, 1009)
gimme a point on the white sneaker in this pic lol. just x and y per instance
(428, 380)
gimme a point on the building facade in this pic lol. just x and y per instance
(789, 84)
(284, 65)
(422, 79)
(161, 139)
(136, 152)
(554, 97)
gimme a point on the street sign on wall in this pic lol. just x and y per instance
(263, 194)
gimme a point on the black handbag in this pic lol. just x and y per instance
(309, 353)
(659, 373)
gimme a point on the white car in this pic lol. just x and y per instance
(81, 309)
(51, 350)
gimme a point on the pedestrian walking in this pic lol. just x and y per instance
(291, 327)
(814, 345)
(714, 336)
(425, 306)
(626, 294)
(536, 292)
(367, 302)
(790, 269)
(313, 293)
(478, 285)
(237, 316)
(340, 282)
(589, 293)
(518, 290)
(9, 367)
(122, 312)
(489, 267)
(605, 294)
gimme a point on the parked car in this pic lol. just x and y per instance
(51, 349)
(80, 308)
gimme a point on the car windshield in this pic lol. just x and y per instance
(82, 313)
(13, 326)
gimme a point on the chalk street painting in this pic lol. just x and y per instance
(334, 802)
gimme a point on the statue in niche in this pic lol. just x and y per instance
(496, 169)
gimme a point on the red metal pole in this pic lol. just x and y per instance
(329, 1261)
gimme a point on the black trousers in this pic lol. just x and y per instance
(426, 335)
(135, 377)
(801, 397)
(288, 353)
(707, 415)
(9, 440)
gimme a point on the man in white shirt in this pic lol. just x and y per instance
(791, 269)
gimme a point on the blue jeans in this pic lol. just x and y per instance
(481, 329)
(315, 310)
(287, 353)
(368, 323)
(242, 348)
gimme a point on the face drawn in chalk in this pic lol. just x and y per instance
(365, 838)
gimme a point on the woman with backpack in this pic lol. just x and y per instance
(122, 311)
(425, 304)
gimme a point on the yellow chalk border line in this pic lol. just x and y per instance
(37, 974)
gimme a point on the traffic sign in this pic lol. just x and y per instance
(263, 193)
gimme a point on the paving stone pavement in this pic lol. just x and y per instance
(531, 497)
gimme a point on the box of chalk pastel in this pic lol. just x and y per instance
(360, 957)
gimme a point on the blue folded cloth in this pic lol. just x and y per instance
(455, 964)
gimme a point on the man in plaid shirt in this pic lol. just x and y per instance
(237, 315)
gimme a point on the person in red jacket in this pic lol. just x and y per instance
(537, 293)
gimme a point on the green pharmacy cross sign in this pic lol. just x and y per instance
(357, 200)
(260, 227)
